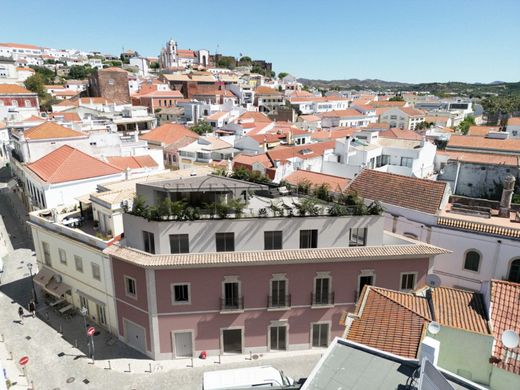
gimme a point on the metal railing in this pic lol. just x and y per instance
(322, 299)
(230, 304)
(278, 301)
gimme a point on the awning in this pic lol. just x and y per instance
(43, 277)
(57, 289)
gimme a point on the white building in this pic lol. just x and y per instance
(513, 127)
(404, 118)
(348, 118)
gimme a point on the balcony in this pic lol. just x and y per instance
(232, 304)
(318, 300)
(279, 302)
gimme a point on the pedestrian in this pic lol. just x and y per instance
(20, 314)
(32, 307)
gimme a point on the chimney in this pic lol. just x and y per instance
(507, 196)
(347, 145)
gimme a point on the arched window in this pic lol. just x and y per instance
(472, 261)
(514, 271)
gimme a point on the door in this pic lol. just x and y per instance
(83, 303)
(368, 279)
(135, 336)
(232, 340)
(320, 335)
(278, 338)
(102, 318)
(183, 344)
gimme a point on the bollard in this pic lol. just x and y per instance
(76, 343)
(61, 330)
(129, 370)
(219, 362)
(109, 366)
(10, 356)
(2, 340)
(150, 365)
(32, 385)
(192, 361)
(250, 355)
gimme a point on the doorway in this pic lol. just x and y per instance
(232, 340)
(278, 338)
(183, 344)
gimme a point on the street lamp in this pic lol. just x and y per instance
(35, 297)
(84, 311)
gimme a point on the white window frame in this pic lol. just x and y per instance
(278, 277)
(278, 324)
(79, 269)
(127, 293)
(415, 274)
(232, 279)
(62, 254)
(321, 275)
(92, 266)
(329, 327)
(172, 289)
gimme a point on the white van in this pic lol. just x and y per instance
(243, 378)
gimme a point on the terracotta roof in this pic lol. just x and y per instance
(217, 115)
(67, 116)
(297, 256)
(514, 121)
(482, 143)
(132, 162)
(113, 69)
(387, 325)
(387, 103)
(256, 116)
(169, 133)
(335, 183)
(339, 132)
(67, 103)
(403, 191)
(349, 112)
(34, 118)
(249, 160)
(266, 91)
(95, 100)
(481, 158)
(400, 134)
(69, 164)
(25, 69)
(394, 321)
(51, 130)
(267, 137)
(485, 227)
(412, 111)
(186, 53)
(20, 45)
(481, 131)
(310, 118)
(13, 89)
(505, 315)
(380, 126)
(283, 153)
(166, 94)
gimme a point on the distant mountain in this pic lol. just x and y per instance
(451, 87)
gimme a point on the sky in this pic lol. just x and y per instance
(393, 40)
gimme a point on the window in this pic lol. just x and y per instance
(79, 263)
(382, 160)
(96, 273)
(358, 237)
(27, 103)
(472, 261)
(278, 296)
(225, 242)
(273, 240)
(406, 162)
(46, 254)
(179, 243)
(181, 293)
(63, 256)
(149, 242)
(308, 239)
(130, 289)
(514, 271)
(320, 335)
(322, 295)
(231, 300)
(14, 103)
(408, 281)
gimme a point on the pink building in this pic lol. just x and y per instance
(257, 279)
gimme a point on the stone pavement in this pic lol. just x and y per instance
(56, 363)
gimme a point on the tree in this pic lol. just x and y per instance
(245, 60)
(226, 62)
(202, 127)
(396, 98)
(281, 75)
(80, 72)
(464, 126)
(47, 74)
(36, 83)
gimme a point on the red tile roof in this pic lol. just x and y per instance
(20, 45)
(283, 153)
(400, 134)
(113, 69)
(387, 103)
(249, 160)
(395, 321)
(266, 91)
(334, 134)
(132, 162)
(349, 112)
(505, 315)
(481, 158)
(402, 191)
(482, 143)
(169, 133)
(186, 53)
(67, 164)
(514, 121)
(481, 131)
(412, 111)
(13, 89)
(255, 116)
(67, 116)
(51, 130)
(335, 183)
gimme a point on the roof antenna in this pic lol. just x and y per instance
(432, 281)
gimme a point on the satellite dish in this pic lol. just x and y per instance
(434, 327)
(433, 281)
(510, 339)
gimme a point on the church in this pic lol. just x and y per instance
(172, 57)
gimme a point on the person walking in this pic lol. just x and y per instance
(20, 314)
(32, 308)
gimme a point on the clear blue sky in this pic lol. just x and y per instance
(394, 40)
